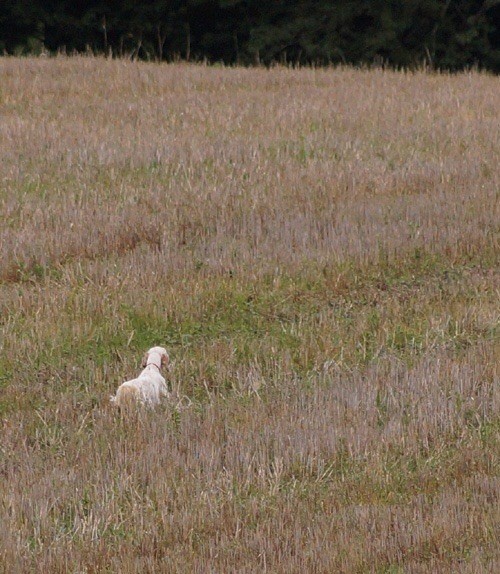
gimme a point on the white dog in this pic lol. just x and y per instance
(150, 386)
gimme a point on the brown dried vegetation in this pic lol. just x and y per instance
(318, 249)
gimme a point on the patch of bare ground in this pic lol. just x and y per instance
(318, 249)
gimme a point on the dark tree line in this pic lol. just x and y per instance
(449, 34)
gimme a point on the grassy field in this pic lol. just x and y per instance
(318, 250)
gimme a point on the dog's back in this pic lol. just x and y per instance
(147, 389)
(126, 396)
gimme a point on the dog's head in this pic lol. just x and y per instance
(158, 351)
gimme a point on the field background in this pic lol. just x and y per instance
(318, 250)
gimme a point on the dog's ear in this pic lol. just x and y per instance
(144, 360)
(164, 360)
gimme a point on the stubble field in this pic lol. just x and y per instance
(318, 250)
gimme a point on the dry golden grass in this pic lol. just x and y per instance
(318, 249)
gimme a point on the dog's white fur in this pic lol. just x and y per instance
(149, 387)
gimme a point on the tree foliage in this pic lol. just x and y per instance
(450, 34)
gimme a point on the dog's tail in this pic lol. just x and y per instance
(125, 397)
